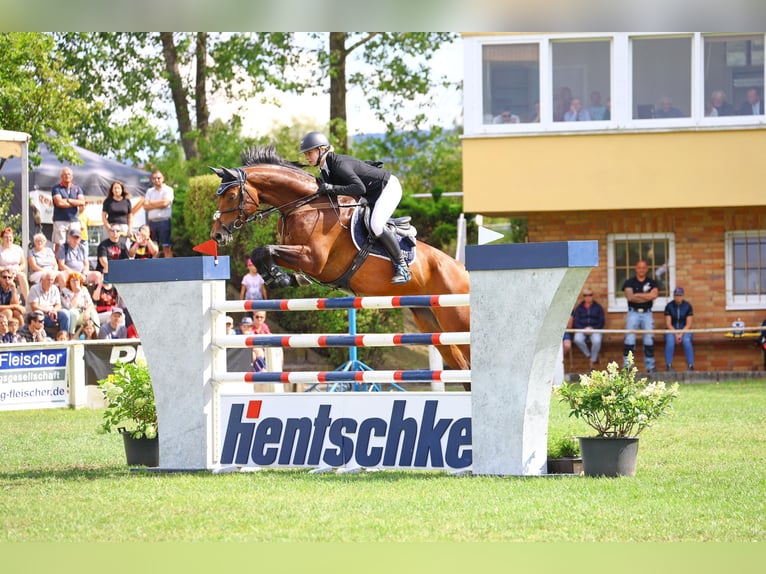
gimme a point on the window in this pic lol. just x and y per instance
(511, 82)
(662, 78)
(733, 75)
(581, 80)
(624, 251)
(745, 269)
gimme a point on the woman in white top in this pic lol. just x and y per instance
(77, 300)
(41, 258)
(12, 258)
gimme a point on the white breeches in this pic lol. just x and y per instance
(386, 204)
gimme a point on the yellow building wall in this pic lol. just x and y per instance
(680, 169)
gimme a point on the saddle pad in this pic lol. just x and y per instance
(359, 236)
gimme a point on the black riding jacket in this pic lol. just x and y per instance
(350, 176)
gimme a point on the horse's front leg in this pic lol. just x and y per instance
(269, 258)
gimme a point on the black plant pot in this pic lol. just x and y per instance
(605, 456)
(141, 451)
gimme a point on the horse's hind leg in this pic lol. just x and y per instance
(455, 357)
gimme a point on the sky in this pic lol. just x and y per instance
(260, 118)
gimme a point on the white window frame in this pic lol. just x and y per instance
(620, 304)
(739, 302)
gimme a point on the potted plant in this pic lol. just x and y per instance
(619, 408)
(131, 411)
(564, 456)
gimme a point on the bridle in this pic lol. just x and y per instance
(244, 194)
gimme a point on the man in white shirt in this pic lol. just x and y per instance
(158, 203)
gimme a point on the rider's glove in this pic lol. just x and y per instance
(324, 188)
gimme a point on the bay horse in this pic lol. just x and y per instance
(315, 240)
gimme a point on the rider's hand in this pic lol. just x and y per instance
(324, 188)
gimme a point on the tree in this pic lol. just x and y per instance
(37, 95)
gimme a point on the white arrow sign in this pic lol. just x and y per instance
(488, 236)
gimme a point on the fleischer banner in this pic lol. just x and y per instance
(33, 379)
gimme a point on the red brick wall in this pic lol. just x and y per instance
(699, 248)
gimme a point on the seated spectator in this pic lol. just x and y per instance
(506, 117)
(576, 112)
(678, 317)
(106, 298)
(10, 304)
(78, 302)
(46, 297)
(666, 109)
(245, 326)
(143, 247)
(719, 106)
(752, 106)
(12, 258)
(588, 315)
(41, 258)
(114, 328)
(73, 258)
(88, 331)
(596, 110)
(13, 330)
(111, 248)
(5, 334)
(61, 336)
(230, 326)
(33, 330)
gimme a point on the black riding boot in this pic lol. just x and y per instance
(401, 269)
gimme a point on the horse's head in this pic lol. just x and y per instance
(237, 203)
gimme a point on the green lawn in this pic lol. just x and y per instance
(700, 477)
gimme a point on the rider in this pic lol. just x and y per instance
(345, 175)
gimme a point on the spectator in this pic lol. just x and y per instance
(117, 210)
(719, 106)
(666, 109)
(33, 330)
(106, 298)
(259, 328)
(10, 304)
(588, 315)
(114, 328)
(73, 258)
(245, 326)
(89, 331)
(111, 248)
(597, 110)
(253, 287)
(752, 106)
(143, 247)
(640, 292)
(5, 335)
(46, 297)
(78, 302)
(41, 258)
(678, 317)
(12, 258)
(576, 112)
(562, 102)
(61, 336)
(506, 117)
(13, 329)
(158, 204)
(67, 198)
(230, 326)
(534, 117)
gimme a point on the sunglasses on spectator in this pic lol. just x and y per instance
(259, 316)
(6, 276)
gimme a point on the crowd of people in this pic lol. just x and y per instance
(52, 292)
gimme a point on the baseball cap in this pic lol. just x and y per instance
(75, 233)
(229, 320)
(117, 310)
(246, 321)
(678, 291)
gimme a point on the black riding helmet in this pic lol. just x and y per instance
(313, 140)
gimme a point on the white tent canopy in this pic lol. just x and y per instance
(16, 144)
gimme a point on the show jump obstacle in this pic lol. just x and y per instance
(521, 297)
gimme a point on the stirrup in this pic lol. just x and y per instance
(401, 274)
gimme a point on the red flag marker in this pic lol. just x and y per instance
(209, 247)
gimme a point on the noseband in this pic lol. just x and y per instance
(242, 218)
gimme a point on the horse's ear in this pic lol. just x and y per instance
(231, 173)
(217, 171)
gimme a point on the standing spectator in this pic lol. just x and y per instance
(73, 258)
(67, 201)
(12, 258)
(111, 248)
(588, 315)
(117, 210)
(143, 247)
(114, 328)
(78, 302)
(46, 297)
(33, 330)
(41, 258)
(10, 304)
(158, 204)
(678, 317)
(640, 291)
(253, 287)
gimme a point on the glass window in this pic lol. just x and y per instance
(511, 78)
(733, 75)
(581, 80)
(624, 251)
(662, 82)
(746, 269)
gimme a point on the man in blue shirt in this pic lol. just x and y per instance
(678, 317)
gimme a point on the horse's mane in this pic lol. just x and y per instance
(268, 154)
